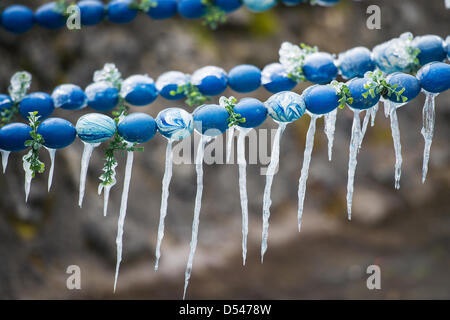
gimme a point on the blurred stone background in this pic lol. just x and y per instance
(405, 232)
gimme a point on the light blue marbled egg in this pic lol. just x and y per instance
(259, 5)
(175, 123)
(95, 128)
(286, 106)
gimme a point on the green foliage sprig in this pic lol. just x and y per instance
(143, 5)
(214, 15)
(36, 143)
(194, 97)
(297, 74)
(343, 92)
(229, 104)
(62, 5)
(379, 85)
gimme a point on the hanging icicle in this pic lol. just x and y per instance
(355, 143)
(330, 128)
(428, 130)
(51, 153)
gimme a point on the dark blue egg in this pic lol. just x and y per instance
(253, 110)
(169, 82)
(49, 16)
(37, 101)
(13, 136)
(321, 99)
(244, 78)
(69, 97)
(191, 9)
(92, 12)
(228, 5)
(210, 80)
(101, 96)
(5, 102)
(137, 127)
(57, 133)
(211, 119)
(291, 2)
(447, 46)
(356, 62)
(319, 68)
(17, 19)
(432, 48)
(275, 79)
(356, 87)
(119, 11)
(434, 77)
(164, 9)
(139, 90)
(404, 80)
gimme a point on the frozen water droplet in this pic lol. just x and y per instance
(123, 212)
(427, 131)
(164, 197)
(305, 168)
(230, 135)
(373, 113)
(271, 170)
(28, 174)
(87, 153)
(52, 153)
(330, 127)
(397, 144)
(5, 157)
(364, 126)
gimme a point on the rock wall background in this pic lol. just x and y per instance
(406, 232)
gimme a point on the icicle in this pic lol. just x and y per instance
(198, 203)
(106, 191)
(230, 143)
(387, 106)
(28, 174)
(5, 156)
(397, 144)
(373, 114)
(271, 170)
(330, 127)
(364, 126)
(51, 153)
(243, 188)
(87, 153)
(428, 115)
(123, 212)
(305, 168)
(355, 143)
(164, 197)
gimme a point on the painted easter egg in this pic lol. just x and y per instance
(286, 106)
(13, 136)
(210, 80)
(95, 127)
(244, 78)
(137, 127)
(37, 101)
(139, 90)
(253, 110)
(92, 12)
(210, 119)
(321, 99)
(101, 96)
(357, 89)
(319, 68)
(169, 82)
(49, 16)
(175, 123)
(275, 78)
(17, 19)
(406, 81)
(57, 133)
(355, 62)
(434, 77)
(69, 97)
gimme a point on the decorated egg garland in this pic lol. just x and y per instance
(52, 15)
(297, 63)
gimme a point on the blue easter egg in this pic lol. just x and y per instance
(191, 9)
(228, 5)
(326, 3)
(57, 133)
(286, 106)
(259, 5)
(244, 78)
(92, 12)
(69, 97)
(169, 81)
(137, 127)
(404, 80)
(139, 90)
(13, 136)
(210, 80)
(432, 48)
(319, 68)
(49, 16)
(253, 110)
(434, 77)
(274, 78)
(447, 46)
(164, 9)
(101, 96)
(95, 128)
(175, 123)
(356, 87)
(321, 99)
(5, 102)
(291, 2)
(37, 101)
(17, 19)
(119, 11)
(211, 119)
(355, 62)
